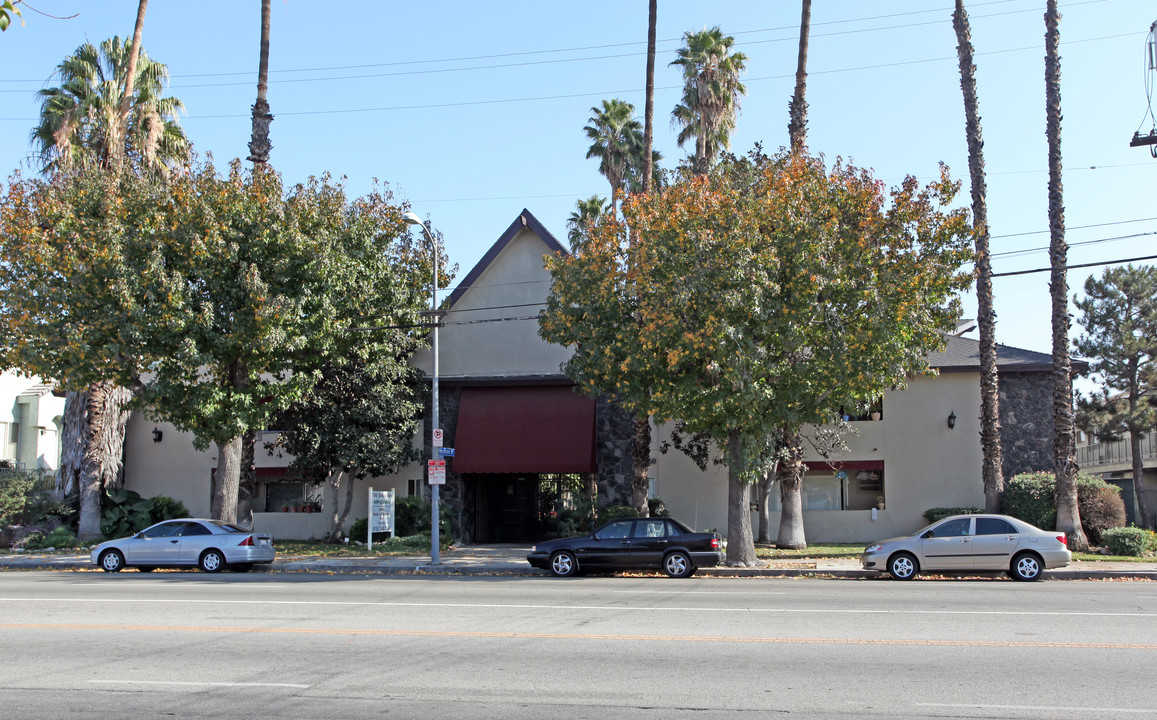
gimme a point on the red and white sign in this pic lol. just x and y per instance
(436, 469)
(437, 437)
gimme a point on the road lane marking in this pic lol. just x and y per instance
(1048, 708)
(582, 636)
(567, 608)
(296, 686)
(695, 592)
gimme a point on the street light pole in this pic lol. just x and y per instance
(413, 219)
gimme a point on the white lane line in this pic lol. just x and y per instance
(693, 592)
(198, 684)
(1048, 708)
(613, 608)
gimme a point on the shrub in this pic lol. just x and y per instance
(616, 512)
(412, 517)
(166, 508)
(1031, 497)
(59, 538)
(1129, 541)
(658, 508)
(125, 513)
(15, 488)
(934, 514)
(1101, 507)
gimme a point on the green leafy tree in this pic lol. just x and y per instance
(215, 298)
(358, 421)
(1119, 315)
(711, 92)
(757, 300)
(80, 117)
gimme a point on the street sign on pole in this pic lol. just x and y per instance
(437, 437)
(446, 452)
(437, 471)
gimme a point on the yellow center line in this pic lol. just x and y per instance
(588, 636)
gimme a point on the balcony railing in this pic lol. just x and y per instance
(1116, 453)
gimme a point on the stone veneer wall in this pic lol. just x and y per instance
(452, 494)
(614, 457)
(1026, 422)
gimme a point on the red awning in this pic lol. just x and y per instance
(824, 466)
(547, 429)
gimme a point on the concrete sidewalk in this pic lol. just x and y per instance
(511, 560)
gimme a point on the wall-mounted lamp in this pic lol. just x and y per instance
(951, 420)
(157, 434)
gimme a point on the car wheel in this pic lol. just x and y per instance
(1026, 567)
(903, 566)
(146, 568)
(563, 564)
(112, 561)
(241, 567)
(677, 565)
(212, 561)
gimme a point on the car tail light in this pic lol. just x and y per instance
(714, 543)
(1063, 540)
(247, 542)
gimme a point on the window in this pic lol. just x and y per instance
(650, 529)
(994, 526)
(953, 528)
(617, 529)
(164, 530)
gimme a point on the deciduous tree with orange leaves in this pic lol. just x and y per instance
(755, 301)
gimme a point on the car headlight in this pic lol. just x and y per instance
(874, 548)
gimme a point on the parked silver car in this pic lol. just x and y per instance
(964, 543)
(211, 545)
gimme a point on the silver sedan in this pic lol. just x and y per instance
(964, 543)
(211, 545)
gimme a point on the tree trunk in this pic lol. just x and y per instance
(763, 499)
(120, 129)
(72, 443)
(1064, 432)
(791, 531)
(103, 439)
(740, 544)
(224, 505)
(259, 145)
(797, 125)
(649, 107)
(640, 483)
(992, 471)
(1143, 518)
(247, 486)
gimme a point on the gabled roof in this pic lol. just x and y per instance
(963, 355)
(524, 220)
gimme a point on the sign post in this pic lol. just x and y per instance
(381, 515)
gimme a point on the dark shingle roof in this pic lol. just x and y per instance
(963, 355)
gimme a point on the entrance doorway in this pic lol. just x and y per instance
(525, 508)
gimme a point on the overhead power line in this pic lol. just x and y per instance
(1074, 267)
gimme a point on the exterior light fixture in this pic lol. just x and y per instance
(951, 420)
(157, 434)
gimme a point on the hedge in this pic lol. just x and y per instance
(1032, 497)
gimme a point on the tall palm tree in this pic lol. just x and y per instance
(992, 471)
(587, 213)
(1064, 430)
(80, 118)
(711, 92)
(259, 145)
(797, 109)
(649, 106)
(617, 141)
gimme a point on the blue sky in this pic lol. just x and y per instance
(473, 110)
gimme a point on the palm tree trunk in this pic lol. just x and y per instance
(106, 414)
(259, 145)
(649, 107)
(740, 544)
(797, 126)
(1064, 433)
(1144, 517)
(992, 471)
(120, 129)
(791, 531)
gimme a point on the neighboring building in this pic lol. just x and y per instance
(1113, 461)
(31, 418)
(523, 439)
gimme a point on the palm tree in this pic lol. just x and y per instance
(1064, 430)
(80, 118)
(586, 214)
(797, 109)
(259, 145)
(617, 141)
(992, 471)
(649, 107)
(711, 92)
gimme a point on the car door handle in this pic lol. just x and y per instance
(174, 541)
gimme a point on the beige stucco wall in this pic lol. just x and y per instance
(508, 348)
(925, 465)
(39, 418)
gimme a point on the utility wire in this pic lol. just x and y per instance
(1073, 267)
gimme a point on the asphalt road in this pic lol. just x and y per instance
(92, 645)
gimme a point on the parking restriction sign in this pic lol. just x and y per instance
(437, 471)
